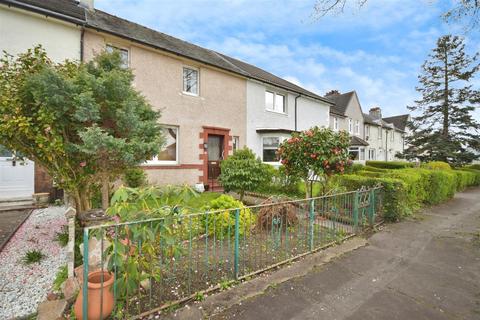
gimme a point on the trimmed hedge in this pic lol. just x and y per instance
(474, 166)
(437, 165)
(390, 164)
(408, 189)
(395, 192)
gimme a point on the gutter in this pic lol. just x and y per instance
(43, 11)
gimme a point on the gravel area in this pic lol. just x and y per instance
(23, 287)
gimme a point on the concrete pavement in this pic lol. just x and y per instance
(424, 268)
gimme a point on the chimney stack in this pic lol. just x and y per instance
(332, 93)
(87, 4)
(375, 113)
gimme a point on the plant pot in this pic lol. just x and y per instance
(96, 308)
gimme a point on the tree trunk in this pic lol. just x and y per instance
(105, 192)
(242, 194)
(446, 101)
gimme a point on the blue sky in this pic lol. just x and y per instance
(376, 50)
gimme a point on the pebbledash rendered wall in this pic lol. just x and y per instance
(220, 105)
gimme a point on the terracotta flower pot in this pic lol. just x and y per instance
(95, 307)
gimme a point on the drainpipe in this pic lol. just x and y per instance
(81, 43)
(386, 145)
(296, 110)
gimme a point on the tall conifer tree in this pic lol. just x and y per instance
(444, 129)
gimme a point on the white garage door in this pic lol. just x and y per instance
(16, 176)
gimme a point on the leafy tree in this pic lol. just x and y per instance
(83, 122)
(244, 172)
(316, 152)
(462, 10)
(445, 129)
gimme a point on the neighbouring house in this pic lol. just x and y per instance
(275, 109)
(372, 137)
(57, 26)
(347, 115)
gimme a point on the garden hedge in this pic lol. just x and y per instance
(407, 189)
(390, 164)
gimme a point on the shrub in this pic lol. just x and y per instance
(222, 223)
(437, 165)
(474, 166)
(285, 213)
(135, 177)
(356, 167)
(244, 172)
(442, 186)
(416, 184)
(373, 169)
(390, 164)
(394, 190)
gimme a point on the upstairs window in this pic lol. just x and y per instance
(357, 127)
(379, 133)
(367, 131)
(123, 54)
(235, 143)
(392, 136)
(190, 81)
(275, 102)
(350, 125)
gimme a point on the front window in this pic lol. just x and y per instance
(350, 125)
(275, 102)
(169, 152)
(123, 54)
(371, 154)
(270, 147)
(354, 153)
(335, 123)
(190, 81)
(357, 127)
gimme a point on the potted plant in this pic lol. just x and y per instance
(100, 296)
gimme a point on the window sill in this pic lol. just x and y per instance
(190, 94)
(163, 163)
(277, 112)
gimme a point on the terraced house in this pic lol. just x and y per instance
(211, 104)
(372, 137)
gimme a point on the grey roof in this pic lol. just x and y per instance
(400, 122)
(62, 9)
(111, 24)
(385, 122)
(369, 119)
(356, 141)
(341, 102)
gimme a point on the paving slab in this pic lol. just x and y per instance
(10, 220)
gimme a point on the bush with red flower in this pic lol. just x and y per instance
(315, 154)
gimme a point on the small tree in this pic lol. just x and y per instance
(314, 153)
(84, 123)
(244, 172)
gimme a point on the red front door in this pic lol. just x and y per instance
(215, 153)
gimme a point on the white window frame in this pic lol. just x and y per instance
(371, 152)
(280, 140)
(284, 95)
(392, 137)
(357, 127)
(350, 125)
(155, 162)
(335, 123)
(359, 151)
(235, 143)
(380, 133)
(110, 46)
(198, 81)
(367, 132)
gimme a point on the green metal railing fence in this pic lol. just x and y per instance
(158, 262)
